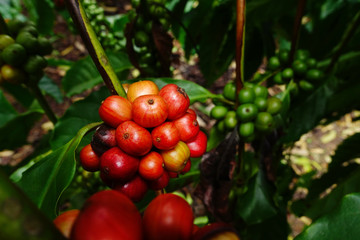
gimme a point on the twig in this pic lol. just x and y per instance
(94, 47)
(296, 30)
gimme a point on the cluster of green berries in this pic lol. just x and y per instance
(303, 70)
(255, 114)
(147, 13)
(112, 40)
(22, 53)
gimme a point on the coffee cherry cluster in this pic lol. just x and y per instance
(146, 139)
(253, 116)
(22, 53)
(148, 13)
(303, 70)
(108, 39)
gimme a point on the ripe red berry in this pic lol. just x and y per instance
(115, 110)
(160, 183)
(88, 159)
(188, 127)
(168, 216)
(173, 174)
(135, 189)
(187, 167)
(165, 136)
(103, 139)
(149, 111)
(198, 145)
(177, 100)
(133, 139)
(151, 166)
(117, 165)
(191, 111)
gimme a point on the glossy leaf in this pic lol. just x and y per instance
(83, 74)
(14, 133)
(45, 181)
(341, 223)
(47, 85)
(78, 114)
(196, 92)
(256, 205)
(215, 138)
(183, 180)
(20, 93)
(7, 111)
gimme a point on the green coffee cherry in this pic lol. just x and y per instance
(301, 55)
(246, 129)
(274, 105)
(274, 63)
(246, 112)
(299, 67)
(260, 91)
(35, 64)
(28, 41)
(305, 85)
(5, 40)
(283, 56)
(287, 74)
(141, 38)
(14, 54)
(230, 91)
(261, 104)
(311, 63)
(314, 74)
(246, 95)
(44, 46)
(264, 121)
(221, 126)
(218, 112)
(12, 74)
(278, 78)
(230, 120)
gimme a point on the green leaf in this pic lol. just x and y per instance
(41, 12)
(256, 205)
(84, 75)
(196, 92)
(183, 180)
(215, 138)
(306, 113)
(217, 52)
(45, 181)
(7, 111)
(47, 85)
(347, 150)
(348, 184)
(14, 133)
(20, 93)
(341, 223)
(77, 115)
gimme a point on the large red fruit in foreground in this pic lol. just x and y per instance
(108, 215)
(177, 100)
(115, 110)
(65, 221)
(135, 189)
(167, 217)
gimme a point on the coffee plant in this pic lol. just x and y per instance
(130, 149)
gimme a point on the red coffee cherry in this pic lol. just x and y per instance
(117, 165)
(65, 221)
(177, 100)
(188, 127)
(198, 145)
(165, 136)
(192, 112)
(168, 216)
(149, 111)
(173, 174)
(115, 110)
(151, 166)
(133, 139)
(103, 139)
(135, 189)
(108, 214)
(88, 159)
(187, 167)
(159, 183)
(175, 159)
(141, 88)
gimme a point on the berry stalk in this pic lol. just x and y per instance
(94, 48)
